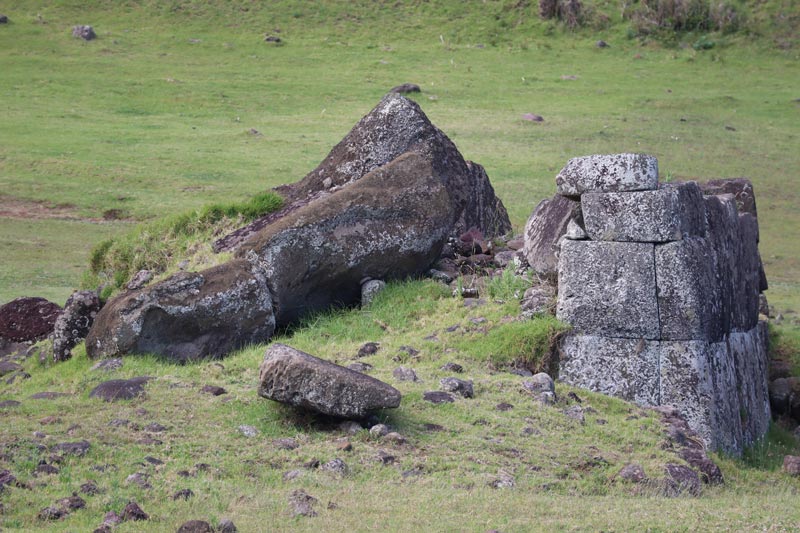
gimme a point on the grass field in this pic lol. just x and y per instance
(180, 104)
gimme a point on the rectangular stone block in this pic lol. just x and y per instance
(545, 227)
(664, 215)
(726, 422)
(723, 236)
(608, 288)
(749, 352)
(689, 301)
(625, 368)
(747, 275)
(607, 173)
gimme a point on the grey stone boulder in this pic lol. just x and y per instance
(120, 389)
(391, 223)
(689, 300)
(460, 386)
(27, 319)
(83, 32)
(398, 126)
(370, 290)
(538, 300)
(749, 352)
(663, 215)
(296, 378)
(747, 275)
(625, 368)
(740, 188)
(543, 232)
(608, 173)
(73, 324)
(189, 316)
(608, 288)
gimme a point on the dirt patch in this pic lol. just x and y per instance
(23, 208)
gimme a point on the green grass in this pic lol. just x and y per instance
(154, 119)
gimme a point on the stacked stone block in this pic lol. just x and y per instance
(660, 283)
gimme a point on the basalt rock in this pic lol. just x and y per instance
(73, 324)
(543, 232)
(296, 378)
(189, 316)
(608, 173)
(28, 319)
(397, 126)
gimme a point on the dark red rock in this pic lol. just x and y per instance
(681, 480)
(28, 319)
(133, 512)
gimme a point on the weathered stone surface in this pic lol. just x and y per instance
(397, 126)
(723, 236)
(663, 215)
(120, 389)
(608, 173)
(740, 188)
(681, 479)
(749, 351)
(538, 300)
(189, 316)
(460, 386)
(632, 472)
(297, 378)
(791, 465)
(747, 275)
(27, 319)
(389, 224)
(196, 526)
(575, 232)
(370, 290)
(689, 300)
(73, 324)
(608, 288)
(543, 232)
(784, 396)
(625, 368)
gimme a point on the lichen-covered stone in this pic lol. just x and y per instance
(397, 126)
(608, 173)
(740, 188)
(389, 224)
(608, 288)
(663, 215)
(689, 300)
(749, 352)
(188, 316)
(747, 275)
(290, 376)
(546, 226)
(73, 324)
(625, 368)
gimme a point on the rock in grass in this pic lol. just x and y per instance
(437, 397)
(302, 503)
(3, 19)
(28, 319)
(681, 480)
(608, 173)
(226, 526)
(461, 386)
(52, 513)
(189, 316)
(791, 465)
(134, 513)
(120, 389)
(77, 449)
(196, 526)
(405, 88)
(83, 32)
(632, 472)
(296, 378)
(73, 324)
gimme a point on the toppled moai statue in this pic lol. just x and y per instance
(661, 285)
(381, 206)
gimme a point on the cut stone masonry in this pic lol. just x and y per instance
(662, 291)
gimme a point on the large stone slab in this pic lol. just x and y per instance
(396, 126)
(747, 275)
(663, 215)
(290, 376)
(391, 223)
(608, 173)
(726, 422)
(546, 226)
(190, 316)
(749, 352)
(625, 368)
(608, 288)
(689, 299)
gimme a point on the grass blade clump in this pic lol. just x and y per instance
(160, 245)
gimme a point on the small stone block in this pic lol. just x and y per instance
(608, 173)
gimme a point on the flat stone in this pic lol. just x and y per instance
(689, 298)
(195, 526)
(608, 288)
(625, 368)
(460, 386)
(120, 389)
(543, 231)
(7, 404)
(290, 376)
(663, 215)
(608, 173)
(78, 449)
(438, 397)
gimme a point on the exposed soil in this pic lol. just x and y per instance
(23, 208)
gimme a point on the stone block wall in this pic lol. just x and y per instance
(661, 285)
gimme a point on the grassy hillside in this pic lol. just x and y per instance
(178, 105)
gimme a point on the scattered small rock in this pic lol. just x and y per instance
(503, 481)
(335, 466)
(385, 458)
(601, 44)
(412, 352)
(532, 117)
(360, 367)
(139, 280)
(83, 32)
(462, 387)
(405, 88)
(438, 275)
(3, 19)
(574, 397)
(575, 413)
(7, 404)
(248, 431)
(344, 445)
(183, 494)
(44, 468)
(681, 479)
(351, 427)
(195, 526)
(402, 373)
(730, 128)
(120, 389)
(452, 367)
(134, 513)
(368, 348)
(395, 438)
(78, 449)
(438, 397)
(155, 427)
(273, 39)
(213, 390)
(72, 503)
(379, 430)
(285, 444)
(90, 488)
(538, 300)
(226, 526)
(539, 383)
(503, 406)
(632, 472)
(370, 290)
(301, 503)
(7, 367)
(791, 465)
(47, 395)
(52, 513)
(108, 365)
(140, 479)
(27, 319)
